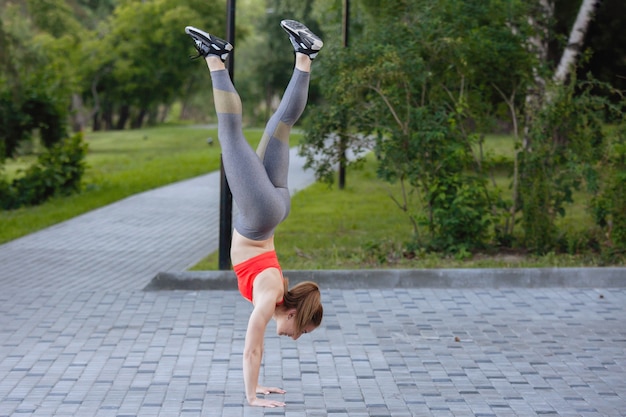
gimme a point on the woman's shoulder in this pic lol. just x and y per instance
(269, 284)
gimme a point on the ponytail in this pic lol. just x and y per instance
(305, 297)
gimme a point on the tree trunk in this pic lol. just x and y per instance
(164, 111)
(107, 117)
(537, 187)
(576, 40)
(95, 111)
(79, 120)
(537, 95)
(342, 159)
(137, 122)
(123, 117)
(96, 122)
(539, 46)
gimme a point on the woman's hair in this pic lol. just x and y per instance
(305, 297)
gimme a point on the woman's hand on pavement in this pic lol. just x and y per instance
(269, 390)
(261, 402)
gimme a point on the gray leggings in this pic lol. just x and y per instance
(258, 181)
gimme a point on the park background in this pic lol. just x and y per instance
(494, 136)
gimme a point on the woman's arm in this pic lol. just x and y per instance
(265, 304)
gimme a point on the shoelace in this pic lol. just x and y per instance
(218, 52)
(197, 45)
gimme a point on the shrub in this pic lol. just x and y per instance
(460, 217)
(609, 205)
(20, 117)
(564, 144)
(58, 171)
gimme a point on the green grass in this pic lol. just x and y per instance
(120, 164)
(501, 146)
(359, 227)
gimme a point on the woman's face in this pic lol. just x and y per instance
(285, 326)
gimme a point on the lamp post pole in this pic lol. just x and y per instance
(342, 132)
(226, 197)
(346, 23)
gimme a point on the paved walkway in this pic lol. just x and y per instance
(79, 336)
(124, 245)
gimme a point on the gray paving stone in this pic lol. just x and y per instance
(388, 352)
(79, 336)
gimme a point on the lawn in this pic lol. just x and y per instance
(120, 164)
(359, 227)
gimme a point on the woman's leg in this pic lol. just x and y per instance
(261, 205)
(273, 150)
(258, 182)
(274, 147)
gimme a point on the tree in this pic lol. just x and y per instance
(576, 40)
(38, 72)
(272, 62)
(334, 138)
(419, 82)
(138, 64)
(433, 78)
(553, 151)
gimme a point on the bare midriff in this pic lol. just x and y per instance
(243, 248)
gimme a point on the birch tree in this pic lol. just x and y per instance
(554, 120)
(575, 41)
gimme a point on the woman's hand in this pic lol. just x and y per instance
(269, 390)
(260, 402)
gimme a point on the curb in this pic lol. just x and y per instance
(613, 277)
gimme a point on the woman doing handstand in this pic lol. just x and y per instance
(258, 182)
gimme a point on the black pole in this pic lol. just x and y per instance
(342, 138)
(226, 197)
(346, 23)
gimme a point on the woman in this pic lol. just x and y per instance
(258, 182)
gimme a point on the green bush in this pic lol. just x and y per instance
(58, 171)
(564, 145)
(19, 118)
(460, 217)
(609, 205)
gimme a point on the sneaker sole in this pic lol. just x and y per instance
(297, 28)
(208, 39)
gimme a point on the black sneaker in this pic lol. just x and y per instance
(302, 38)
(207, 44)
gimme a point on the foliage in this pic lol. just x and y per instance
(58, 171)
(609, 204)
(426, 81)
(367, 232)
(139, 62)
(18, 121)
(566, 141)
(421, 86)
(54, 17)
(12, 125)
(38, 74)
(271, 64)
(91, 12)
